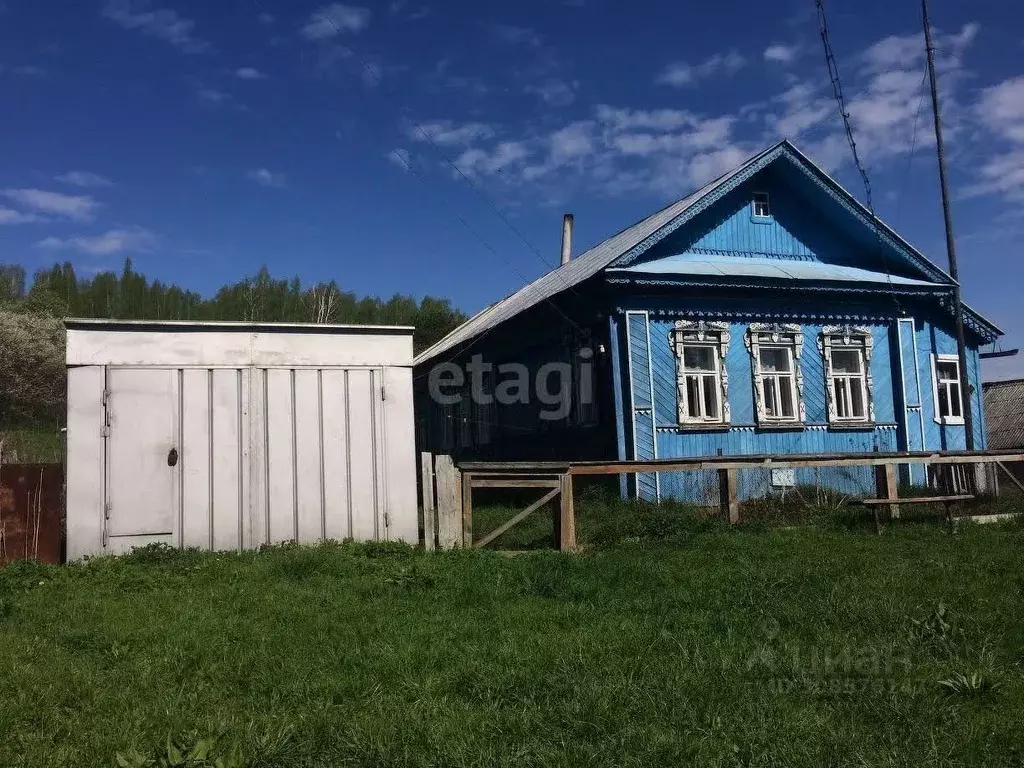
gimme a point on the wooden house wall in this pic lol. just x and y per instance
(545, 334)
(743, 436)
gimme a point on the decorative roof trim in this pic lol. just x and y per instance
(743, 315)
(701, 205)
(805, 285)
(815, 174)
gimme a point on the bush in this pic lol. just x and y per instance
(32, 375)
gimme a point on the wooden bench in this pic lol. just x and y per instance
(946, 501)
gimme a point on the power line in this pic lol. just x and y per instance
(913, 149)
(378, 77)
(837, 90)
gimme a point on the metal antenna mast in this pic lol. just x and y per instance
(958, 314)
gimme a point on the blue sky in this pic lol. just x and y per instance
(207, 138)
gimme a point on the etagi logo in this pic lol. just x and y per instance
(553, 385)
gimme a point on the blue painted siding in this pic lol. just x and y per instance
(934, 339)
(743, 436)
(643, 408)
(796, 230)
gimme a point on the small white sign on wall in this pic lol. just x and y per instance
(783, 478)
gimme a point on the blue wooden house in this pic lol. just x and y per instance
(766, 313)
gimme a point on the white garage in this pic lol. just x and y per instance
(234, 435)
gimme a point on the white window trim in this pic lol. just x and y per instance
(753, 205)
(939, 419)
(702, 334)
(784, 336)
(846, 337)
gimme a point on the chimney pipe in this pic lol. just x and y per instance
(567, 221)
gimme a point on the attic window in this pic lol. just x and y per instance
(761, 208)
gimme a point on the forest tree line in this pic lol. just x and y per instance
(32, 340)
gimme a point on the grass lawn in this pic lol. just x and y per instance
(670, 641)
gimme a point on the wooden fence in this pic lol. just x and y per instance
(31, 504)
(448, 489)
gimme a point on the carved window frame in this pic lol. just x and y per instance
(855, 338)
(704, 334)
(778, 336)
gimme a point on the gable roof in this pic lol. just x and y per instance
(626, 246)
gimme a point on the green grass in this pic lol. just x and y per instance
(671, 641)
(32, 446)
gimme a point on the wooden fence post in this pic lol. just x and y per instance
(429, 508)
(566, 528)
(467, 509)
(886, 488)
(449, 503)
(728, 482)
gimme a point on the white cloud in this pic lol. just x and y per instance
(266, 19)
(75, 207)
(554, 92)
(212, 95)
(266, 178)
(782, 54)
(478, 162)
(112, 242)
(400, 158)
(249, 73)
(680, 73)
(1001, 108)
(447, 133)
(84, 179)
(334, 19)
(11, 216)
(29, 70)
(1000, 111)
(162, 23)
(508, 34)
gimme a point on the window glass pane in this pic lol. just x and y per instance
(955, 403)
(857, 410)
(947, 371)
(943, 401)
(710, 397)
(842, 403)
(845, 361)
(771, 396)
(693, 396)
(786, 389)
(698, 358)
(774, 360)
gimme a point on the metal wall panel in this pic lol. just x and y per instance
(280, 466)
(196, 453)
(265, 456)
(337, 472)
(308, 437)
(363, 459)
(228, 501)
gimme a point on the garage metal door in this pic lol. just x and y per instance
(230, 458)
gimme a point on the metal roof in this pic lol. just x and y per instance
(636, 238)
(584, 266)
(781, 269)
(97, 324)
(1004, 413)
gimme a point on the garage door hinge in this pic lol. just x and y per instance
(106, 397)
(383, 394)
(387, 520)
(106, 510)
(105, 430)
